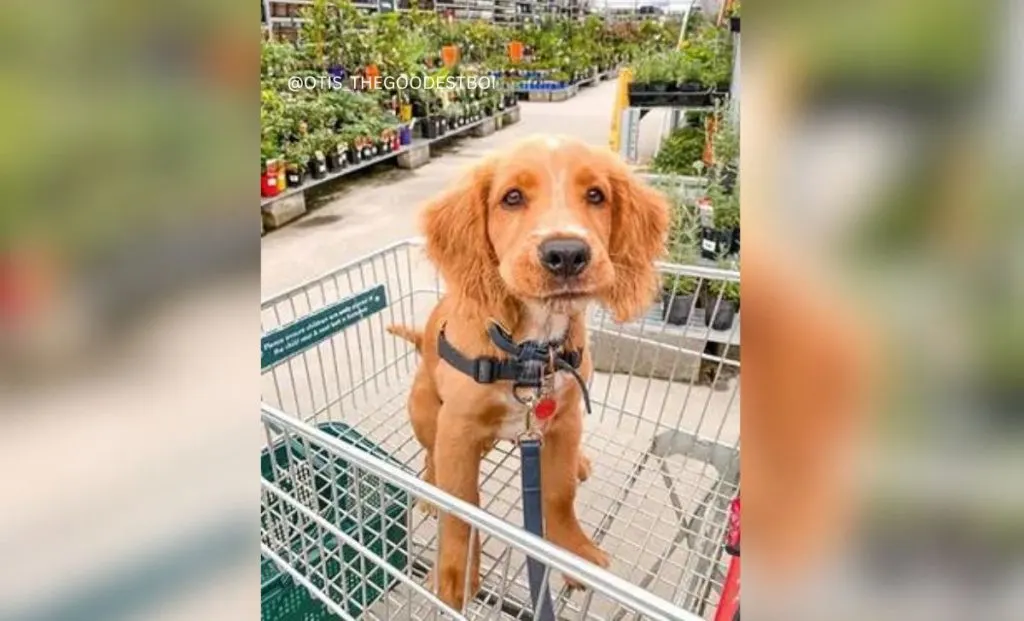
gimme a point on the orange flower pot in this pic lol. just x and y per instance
(372, 73)
(515, 51)
(450, 55)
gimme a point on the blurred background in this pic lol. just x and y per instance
(128, 311)
(884, 282)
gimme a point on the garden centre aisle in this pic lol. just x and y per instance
(357, 216)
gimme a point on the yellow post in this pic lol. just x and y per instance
(621, 103)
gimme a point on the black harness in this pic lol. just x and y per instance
(529, 364)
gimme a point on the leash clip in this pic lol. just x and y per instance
(526, 397)
(531, 434)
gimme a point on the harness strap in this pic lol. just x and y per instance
(525, 367)
(533, 522)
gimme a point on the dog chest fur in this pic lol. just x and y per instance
(540, 326)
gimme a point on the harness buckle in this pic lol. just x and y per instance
(484, 371)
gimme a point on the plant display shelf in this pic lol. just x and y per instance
(629, 127)
(310, 183)
(652, 324)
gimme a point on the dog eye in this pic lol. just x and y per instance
(595, 196)
(512, 198)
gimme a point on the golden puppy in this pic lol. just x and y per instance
(529, 238)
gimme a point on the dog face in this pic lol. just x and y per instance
(551, 222)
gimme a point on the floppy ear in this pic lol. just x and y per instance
(640, 219)
(455, 227)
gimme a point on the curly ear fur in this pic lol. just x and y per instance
(639, 229)
(455, 227)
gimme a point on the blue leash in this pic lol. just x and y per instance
(533, 521)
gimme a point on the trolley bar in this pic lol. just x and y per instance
(641, 601)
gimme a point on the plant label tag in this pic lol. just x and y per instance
(708, 245)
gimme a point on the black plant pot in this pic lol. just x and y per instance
(715, 242)
(353, 155)
(318, 167)
(735, 241)
(334, 161)
(294, 178)
(430, 128)
(734, 23)
(659, 87)
(722, 317)
(675, 309)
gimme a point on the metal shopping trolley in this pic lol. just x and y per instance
(341, 535)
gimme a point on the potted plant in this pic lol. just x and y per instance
(318, 163)
(680, 292)
(270, 177)
(718, 242)
(325, 144)
(678, 298)
(734, 17)
(296, 158)
(722, 303)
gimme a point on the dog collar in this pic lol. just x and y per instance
(528, 365)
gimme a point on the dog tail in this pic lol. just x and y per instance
(413, 336)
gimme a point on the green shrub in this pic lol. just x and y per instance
(683, 147)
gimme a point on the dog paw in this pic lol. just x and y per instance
(583, 468)
(451, 586)
(593, 554)
(426, 508)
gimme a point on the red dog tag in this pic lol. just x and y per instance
(544, 409)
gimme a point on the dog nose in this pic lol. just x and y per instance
(564, 257)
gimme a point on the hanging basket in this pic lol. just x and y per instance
(450, 55)
(515, 51)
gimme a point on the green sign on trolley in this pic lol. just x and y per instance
(286, 341)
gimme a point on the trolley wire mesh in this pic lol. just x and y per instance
(663, 442)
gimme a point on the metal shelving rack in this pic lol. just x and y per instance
(629, 132)
(498, 11)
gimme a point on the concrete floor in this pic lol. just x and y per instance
(355, 217)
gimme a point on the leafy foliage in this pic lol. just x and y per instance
(337, 37)
(683, 147)
(705, 58)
